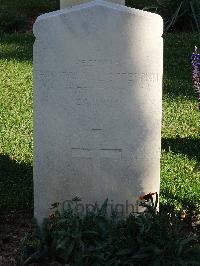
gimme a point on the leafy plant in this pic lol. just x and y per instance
(12, 22)
(18, 15)
(148, 238)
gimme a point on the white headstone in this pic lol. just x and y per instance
(97, 105)
(70, 3)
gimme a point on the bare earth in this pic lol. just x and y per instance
(13, 228)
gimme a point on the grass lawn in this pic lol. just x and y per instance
(180, 162)
(16, 122)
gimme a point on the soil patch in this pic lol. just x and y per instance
(13, 228)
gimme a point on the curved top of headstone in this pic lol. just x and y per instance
(70, 3)
(155, 18)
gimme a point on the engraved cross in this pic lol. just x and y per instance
(97, 152)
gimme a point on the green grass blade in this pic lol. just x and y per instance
(194, 16)
(174, 17)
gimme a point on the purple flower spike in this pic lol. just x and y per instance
(195, 60)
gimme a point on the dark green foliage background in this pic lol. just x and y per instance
(16, 15)
(178, 15)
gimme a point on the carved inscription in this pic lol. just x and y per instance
(94, 83)
(90, 88)
(102, 153)
(80, 79)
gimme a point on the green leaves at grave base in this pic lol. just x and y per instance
(148, 238)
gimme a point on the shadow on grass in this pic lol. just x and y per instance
(177, 87)
(16, 185)
(186, 146)
(16, 47)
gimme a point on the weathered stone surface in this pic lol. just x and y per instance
(70, 3)
(97, 105)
